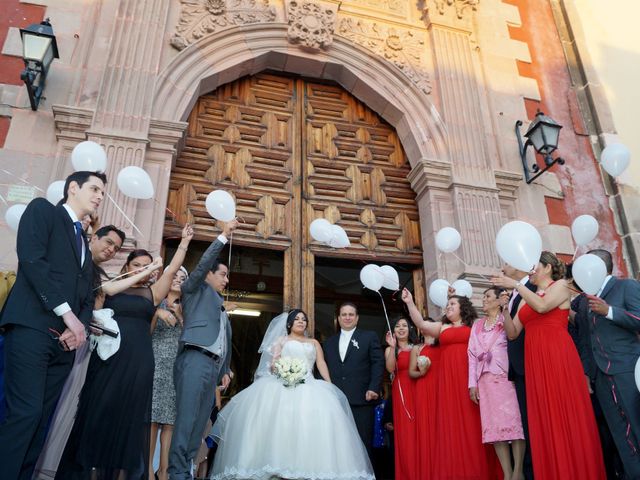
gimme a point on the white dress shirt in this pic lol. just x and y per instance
(604, 284)
(343, 344)
(64, 307)
(514, 293)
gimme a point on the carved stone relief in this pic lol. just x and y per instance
(311, 24)
(397, 7)
(403, 48)
(202, 17)
(460, 6)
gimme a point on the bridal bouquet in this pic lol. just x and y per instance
(290, 370)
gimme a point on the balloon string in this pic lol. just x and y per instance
(125, 215)
(386, 316)
(22, 180)
(118, 277)
(385, 312)
(620, 408)
(466, 265)
(575, 253)
(3, 200)
(229, 266)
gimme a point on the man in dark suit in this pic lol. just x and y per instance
(609, 348)
(46, 316)
(515, 350)
(356, 365)
(204, 355)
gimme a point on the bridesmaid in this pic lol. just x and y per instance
(489, 385)
(425, 371)
(403, 391)
(458, 418)
(562, 427)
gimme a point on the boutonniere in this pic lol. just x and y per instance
(354, 342)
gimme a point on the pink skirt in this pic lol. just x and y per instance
(499, 410)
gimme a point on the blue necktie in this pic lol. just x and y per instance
(78, 226)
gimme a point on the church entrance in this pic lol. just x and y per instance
(291, 150)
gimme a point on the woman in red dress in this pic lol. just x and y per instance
(403, 399)
(458, 452)
(562, 428)
(425, 371)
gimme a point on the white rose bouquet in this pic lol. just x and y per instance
(290, 370)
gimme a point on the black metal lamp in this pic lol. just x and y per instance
(39, 48)
(543, 135)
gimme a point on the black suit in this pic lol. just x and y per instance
(361, 370)
(515, 350)
(49, 274)
(609, 349)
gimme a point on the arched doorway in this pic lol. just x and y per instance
(291, 150)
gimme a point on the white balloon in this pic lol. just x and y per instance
(221, 206)
(134, 182)
(55, 192)
(637, 373)
(463, 288)
(448, 239)
(321, 230)
(439, 292)
(339, 238)
(372, 277)
(615, 159)
(391, 279)
(589, 272)
(13, 214)
(584, 229)
(89, 156)
(520, 245)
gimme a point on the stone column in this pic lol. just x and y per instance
(473, 192)
(121, 122)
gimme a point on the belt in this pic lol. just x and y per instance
(208, 353)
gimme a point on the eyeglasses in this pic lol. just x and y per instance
(55, 335)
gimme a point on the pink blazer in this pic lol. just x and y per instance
(487, 351)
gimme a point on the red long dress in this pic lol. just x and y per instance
(404, 420)
(459, 453)
(562, 428)
(426, 412)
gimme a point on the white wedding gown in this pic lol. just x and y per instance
(271, 431)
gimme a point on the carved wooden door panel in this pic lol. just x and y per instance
(289, 151)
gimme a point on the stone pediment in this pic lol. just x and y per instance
(312, 25)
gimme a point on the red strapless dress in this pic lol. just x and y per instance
(459, 453)
(426, 412)
(562, 429)
(404, 420)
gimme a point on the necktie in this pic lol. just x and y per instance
(78, 226)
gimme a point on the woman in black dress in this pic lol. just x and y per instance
(110, 438)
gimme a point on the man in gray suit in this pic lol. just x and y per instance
(204, 354)
(609, 348)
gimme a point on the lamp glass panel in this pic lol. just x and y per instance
(551, 133)
(48, 58)
(35, 47)
(535, 136)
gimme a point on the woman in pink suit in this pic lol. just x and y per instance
(491, 389)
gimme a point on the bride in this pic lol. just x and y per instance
(304, 431)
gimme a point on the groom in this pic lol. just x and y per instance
(356, 365)
(204, 354)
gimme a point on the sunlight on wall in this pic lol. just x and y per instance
(613, 41)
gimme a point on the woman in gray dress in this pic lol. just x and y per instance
(166, 329)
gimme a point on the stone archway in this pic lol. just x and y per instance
(226, 56)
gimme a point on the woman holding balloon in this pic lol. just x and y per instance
(396, 358)
(562, 428)
(458, 418)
